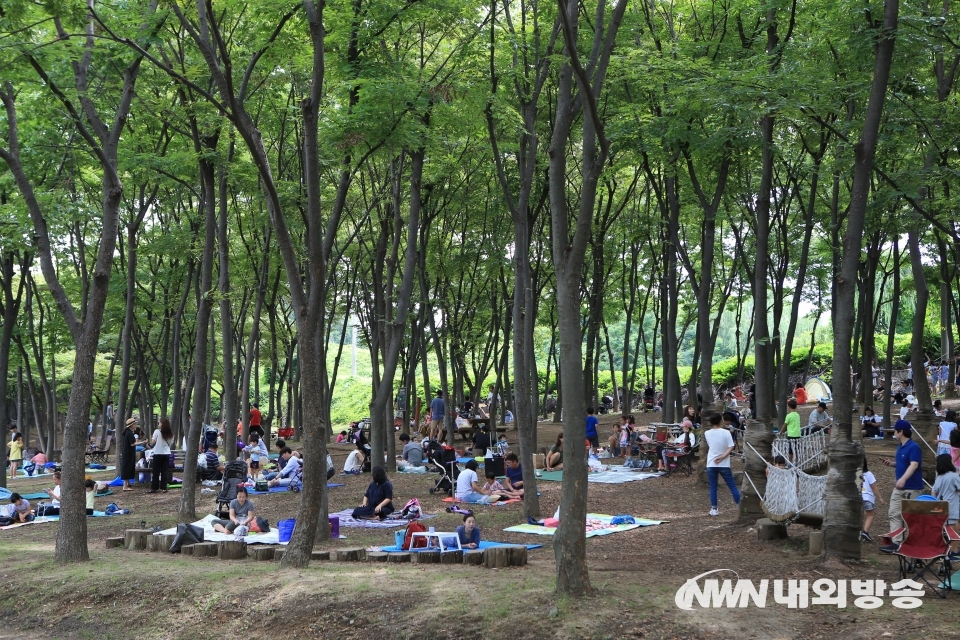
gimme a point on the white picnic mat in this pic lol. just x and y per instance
(618, 474)
(209, 535)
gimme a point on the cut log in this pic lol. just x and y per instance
(767, 529)
(399, 557)
(151, 543)
(278, 554)
(351, 555)
(426, 557)
(376, 556)
(162, 543)
(136, 539)
(232, 550)
(186, 550)
(451, 557)
(517, 553)
(496, 557)
(114, 543)
(206, 549)
(320, 555)
(473, 556)
(262, 553)
(816, 543)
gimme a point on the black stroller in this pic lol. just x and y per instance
(234, 474)
(443, 460)
(210, 435)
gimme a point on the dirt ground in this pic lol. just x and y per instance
(634, 575)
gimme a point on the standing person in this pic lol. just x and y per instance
(948, 424)
(909, 478)
(437, 410)
(791, 424)
(378, 500)
(16, 453)
(255, 420)
(869, 494)
(108, 413)
(592, 434)
(162, 442)
(128, 453)
(720, 445)
(947, 487)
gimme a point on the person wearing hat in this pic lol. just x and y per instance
(128, 453)
(909, 478)
(909, 403)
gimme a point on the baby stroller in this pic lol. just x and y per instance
(606, 404)
(234, 474)
(443, 460)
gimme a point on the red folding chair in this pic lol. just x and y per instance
(924, 552)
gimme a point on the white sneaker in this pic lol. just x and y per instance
(714, 512)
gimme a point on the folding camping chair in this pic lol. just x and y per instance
(924, 552)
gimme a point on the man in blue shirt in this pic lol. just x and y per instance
(592, 429)
(437, 408)
(909, 478)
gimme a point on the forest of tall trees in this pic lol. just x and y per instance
(198, 202)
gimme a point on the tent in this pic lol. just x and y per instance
(818, 390)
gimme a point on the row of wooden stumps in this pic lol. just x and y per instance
(492, 558)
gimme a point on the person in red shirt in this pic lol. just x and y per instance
(255, 418)
(800, 394)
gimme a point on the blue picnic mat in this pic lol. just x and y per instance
(330, 485)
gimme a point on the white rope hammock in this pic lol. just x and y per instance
(790, 492)
(809, 451)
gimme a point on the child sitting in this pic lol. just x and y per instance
(493, 486)
(342, 437)
(21, 509)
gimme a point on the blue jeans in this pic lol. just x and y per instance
(712, 473)
(476, 498)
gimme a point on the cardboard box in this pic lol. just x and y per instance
(539, 460)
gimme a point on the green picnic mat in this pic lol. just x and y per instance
(550, 476)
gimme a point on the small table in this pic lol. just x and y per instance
(439, 535)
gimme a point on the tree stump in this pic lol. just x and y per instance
(262, 553)
(320, 555)
(351, 555)
(399, 557)
(451, 557)
(186, 550)
(278, 554)
(767, 529)
(496, 558)
(473, 556)
(232, 550)
(376, 556)
(426, 557)
(136, 539)
(205, 549)
(517, 553)
(162, 543)
(114, 543)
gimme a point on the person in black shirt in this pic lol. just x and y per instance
(481, 442)
(378, 500)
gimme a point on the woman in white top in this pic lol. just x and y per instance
(162, 441)
(683, 443)
(354, 463)
(869, 495)
(870, 423)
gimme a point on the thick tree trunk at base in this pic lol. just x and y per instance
(759, 435)
(843, 503)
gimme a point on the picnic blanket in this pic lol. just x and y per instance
(598, 524)
(618, 474)
(252, 492)
(496, 504)
(209, 535)
(484, 544)
(347, 520)
(34, 521)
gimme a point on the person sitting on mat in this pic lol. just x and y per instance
(242, 513)
(554, 461)
(514, 474)
(21, 509)
(290, 465)
(469, 489)
(355, 460)
(53, 509)
(469, 532)
(493, 486)
(378, 500)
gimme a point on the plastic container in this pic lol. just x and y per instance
(285, 529)
(334, 527)
(398, 539)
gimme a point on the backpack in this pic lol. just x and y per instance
(412, 528)
(412, 510)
